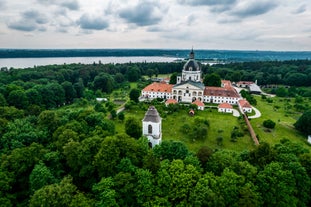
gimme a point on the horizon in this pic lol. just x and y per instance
(169, 49)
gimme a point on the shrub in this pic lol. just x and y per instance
(269, 124)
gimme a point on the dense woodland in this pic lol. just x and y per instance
(59, 147)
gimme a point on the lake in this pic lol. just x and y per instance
(31, 62)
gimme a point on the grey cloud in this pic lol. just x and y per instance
(300, 9)
(254, 9)
(69, 4)
(30, 20)
(33, 15)
(72, 5)
(206, 2)
(2, 4)
(143, 14)
(92, 23)
(23, 26)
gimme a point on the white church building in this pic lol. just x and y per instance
(189, 88)
(152, 126)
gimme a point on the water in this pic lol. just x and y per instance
(23, 58)
(31, 62)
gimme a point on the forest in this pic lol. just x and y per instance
(60, 147)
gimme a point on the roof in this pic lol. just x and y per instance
(159, 87)
(152, 115)
(254, 88)
(225, 106)
(191, 65)
(219, 91)
(198, 103)
(245, 82)
(171, 101)
(226, 83)
(244, 104)
(191, 111)
(196, 84)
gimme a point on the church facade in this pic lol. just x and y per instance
(189, 88)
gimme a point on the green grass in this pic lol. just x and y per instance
(222, 125)
(283, 118)
(172, 123)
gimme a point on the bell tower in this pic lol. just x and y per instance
(152, 126)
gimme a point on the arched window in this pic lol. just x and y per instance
(149, 129)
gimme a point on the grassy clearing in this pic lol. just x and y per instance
(222, 125)
(283, 117)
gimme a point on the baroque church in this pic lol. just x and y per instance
(189, 88)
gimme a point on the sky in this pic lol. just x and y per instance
(281, 25)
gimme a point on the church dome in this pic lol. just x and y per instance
(191, 64)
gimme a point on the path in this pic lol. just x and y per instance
(257, 114)
(235, 113)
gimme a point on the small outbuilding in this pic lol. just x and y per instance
(309, 139)
(199, 103)
(191, 112)
(170, 101)
(244, 106)
(225, 108)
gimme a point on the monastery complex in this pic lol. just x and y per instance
(190, 89)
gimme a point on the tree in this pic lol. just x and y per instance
(18, 99)
(277, 186)
(212, 80)
(2, 100)
(269, 124)
(303, 124)
(133, 128)
(40, 176)
(149, 73)
(134, 94)
(171, 150)
(173, 78)
(204, 154)
(104, 82)
(70, 92)
(62, 194)
(104, 193)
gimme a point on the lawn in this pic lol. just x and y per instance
(279, 112)
(221, 125)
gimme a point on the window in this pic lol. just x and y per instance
(149, 129)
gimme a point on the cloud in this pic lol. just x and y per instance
(205, 2)
(30, 20)
(69, 4)
(253, 8)
(2, 4)
(72, 5)
(301, 9)
(144, 13)
(88, 22)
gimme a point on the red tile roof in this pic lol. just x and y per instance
(245, 82)
(225, 106)
(159, 87)
(226, 83)
(198, 103)
(219, 91)
(171, 101)
(244, 104)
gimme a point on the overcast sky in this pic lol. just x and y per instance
(167, 24)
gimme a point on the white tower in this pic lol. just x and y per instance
(152, 126)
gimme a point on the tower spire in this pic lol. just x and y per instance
(191, 55)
